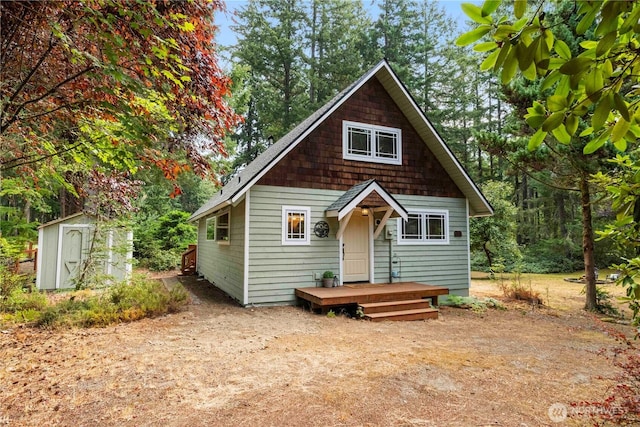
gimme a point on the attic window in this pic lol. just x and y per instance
(371, 143)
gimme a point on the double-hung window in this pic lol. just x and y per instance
(371, 143)
(218, 228)
(296, 225)
(424, 227)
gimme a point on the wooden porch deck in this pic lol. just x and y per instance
(324, 298)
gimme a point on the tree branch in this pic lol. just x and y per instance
(39, 159)
(14, 117)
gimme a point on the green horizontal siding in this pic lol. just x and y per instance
(443, 265)
(221, 264)
(275, 270)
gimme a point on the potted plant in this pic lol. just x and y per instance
(327, 279)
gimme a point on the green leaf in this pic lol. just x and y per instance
(550, 80)
(562, 49)
(621, 106)
(536, 140)
(596, 143)
(475, 13)
(556, 103)
(575, 65)
(489, 61)
(553, 121)
(535, 120)
(621, 144)
(531, 72)
(473, 35)
(485, 47)
(588, 131)
(631, 19)
(571, 123)
(593, 82)
(586, 21)
(490, 6)
(619, 130)
(504, 52)
(605, 43)
(510, 67)
(601, 113)
(527, 53)
(519, 8)
(561, 134)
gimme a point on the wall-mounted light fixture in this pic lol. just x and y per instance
(365, 211)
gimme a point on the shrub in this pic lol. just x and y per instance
(121, 303)
(516, 290)
(162, 260)
(604, 302)
(19, 300)
(159, 242)
(476, 305)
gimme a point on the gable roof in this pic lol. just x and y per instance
(356, 194)
(235, 189)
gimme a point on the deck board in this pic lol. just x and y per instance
(366, 293)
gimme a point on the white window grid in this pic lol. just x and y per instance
(296, 225)
(424, 227)
(371, 143)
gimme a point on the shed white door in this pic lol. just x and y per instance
(74, 246)
(355, 241)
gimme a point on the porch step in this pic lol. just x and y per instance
(398, 305)
(416, 314)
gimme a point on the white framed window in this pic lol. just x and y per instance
(296, 225)
(424, 227)
(222, 228)
(371, 143)
(211, 228)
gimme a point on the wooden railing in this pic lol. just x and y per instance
(189, 259)
(30, 255)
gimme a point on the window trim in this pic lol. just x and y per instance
(228, 227)
(424, 240)
(286, 240)
(211, 221)
(374, 155)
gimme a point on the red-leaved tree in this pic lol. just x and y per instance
(110, 85)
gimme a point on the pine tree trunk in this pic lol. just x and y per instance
(587, 246)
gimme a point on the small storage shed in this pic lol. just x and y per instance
(65, 243)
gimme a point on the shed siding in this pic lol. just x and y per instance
(221, 264)
(275, 270)
(48, 257)
(443, 265)
(48, 241)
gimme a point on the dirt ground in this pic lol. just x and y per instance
(219, 364)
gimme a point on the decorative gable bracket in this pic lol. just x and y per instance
(343, 207)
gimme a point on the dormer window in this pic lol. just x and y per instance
(370, 143)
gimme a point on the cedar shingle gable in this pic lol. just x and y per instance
(317, 160)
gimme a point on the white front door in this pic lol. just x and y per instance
(355, 245)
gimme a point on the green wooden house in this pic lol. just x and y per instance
(365, 187)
